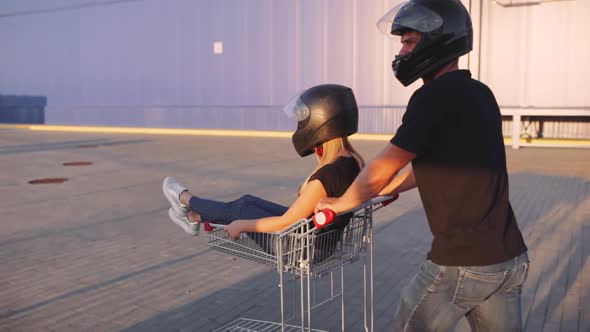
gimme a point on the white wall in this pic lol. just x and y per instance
(537, 55)
(151, 62)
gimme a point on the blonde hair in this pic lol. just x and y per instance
(332, 151)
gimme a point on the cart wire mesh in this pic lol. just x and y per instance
(299, 247)
(307, 252)
(252, 325)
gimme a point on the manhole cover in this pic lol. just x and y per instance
(77, 163)
(48, 180)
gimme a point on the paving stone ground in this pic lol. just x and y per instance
(98, 252)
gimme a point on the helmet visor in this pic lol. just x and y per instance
(296, 108)
(409, 15)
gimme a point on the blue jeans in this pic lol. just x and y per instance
(245, 207)
(489, 296)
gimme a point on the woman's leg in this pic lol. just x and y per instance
(245, 207)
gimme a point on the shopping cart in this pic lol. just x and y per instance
(306, 251)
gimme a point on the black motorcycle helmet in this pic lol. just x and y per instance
(446, 30)
(323, 112)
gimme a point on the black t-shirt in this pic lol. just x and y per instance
(336, 177)
(454, 126)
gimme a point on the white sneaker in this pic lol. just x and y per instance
(182, 220)
(172, 191)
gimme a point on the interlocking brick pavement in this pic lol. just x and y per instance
(98, 252)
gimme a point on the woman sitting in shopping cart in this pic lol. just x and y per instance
(326, 115)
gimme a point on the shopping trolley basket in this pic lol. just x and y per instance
(308, 250)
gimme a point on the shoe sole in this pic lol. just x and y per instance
(173, 200)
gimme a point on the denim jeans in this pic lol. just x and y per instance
(488, 296)
(245, 207)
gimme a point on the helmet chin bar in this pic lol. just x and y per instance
(426, 73)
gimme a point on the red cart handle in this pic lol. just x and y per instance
(389, 201)
(207, 227)
(323, 218)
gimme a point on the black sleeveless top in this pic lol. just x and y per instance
(336, 177)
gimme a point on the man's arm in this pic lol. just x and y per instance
(402, 182)
(371, 181)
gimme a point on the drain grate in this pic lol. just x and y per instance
(77, 163)
(48, 180)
